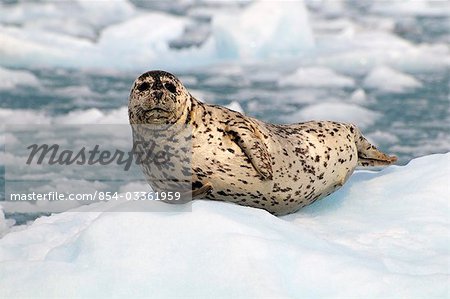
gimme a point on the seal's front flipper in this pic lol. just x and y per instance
(251, 143)
(368, 154)
(197, 193)
(202, 191)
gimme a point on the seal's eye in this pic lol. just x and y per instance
(170, 87)
(143, 86)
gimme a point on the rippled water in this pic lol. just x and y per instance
(410, 124)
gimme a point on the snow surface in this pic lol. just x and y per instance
(383, 235)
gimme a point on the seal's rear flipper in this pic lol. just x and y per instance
(375, 162)
(368, 154)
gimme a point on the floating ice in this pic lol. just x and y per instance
(22, 116)
(10, 79)
(264, 76)
(94, 116)
(335, 111)
(146, 41)
(76, 18)
(386, 79)
(116, 35)
(83, 35)
(3, 223)
(316, 77)
(34, 47)
(76, 117)
(412, 8)
(235, 106)
(89, 116)
(440, 144)
(74, 91)
(263, 29)
(189, 80)
(379, 137)
(392, 224)
(126, 45)
(219, 81)
(358, 96)
(360, 51)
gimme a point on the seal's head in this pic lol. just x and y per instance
(157, 97)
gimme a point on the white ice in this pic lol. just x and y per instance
(22, 116)
(262, 30)
(383, 235)
(316, 77)
(412, 8)
(385, 79)
(133, 43)
(379, 137)
(83, 35)
(88, 116)
(336, 111)
(235, 106)
(116, 35)
(357, 51)
(94, 116)
(75, 117)
(10, 79)
(218, 81)
(359, 96)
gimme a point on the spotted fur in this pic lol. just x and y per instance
(279, 168)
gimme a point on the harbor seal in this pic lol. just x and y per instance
(239, 159)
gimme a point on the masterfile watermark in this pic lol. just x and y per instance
(60, 167)
(100, 196)
(52, 154)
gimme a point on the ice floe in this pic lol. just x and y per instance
(10, 79)
(337, 111)
(385, 79)
(316, 77)
(384, 234)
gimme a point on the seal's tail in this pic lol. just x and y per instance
(368, 154)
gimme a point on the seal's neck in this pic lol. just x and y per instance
(188, 115)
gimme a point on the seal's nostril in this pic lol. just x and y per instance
(158, 94)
